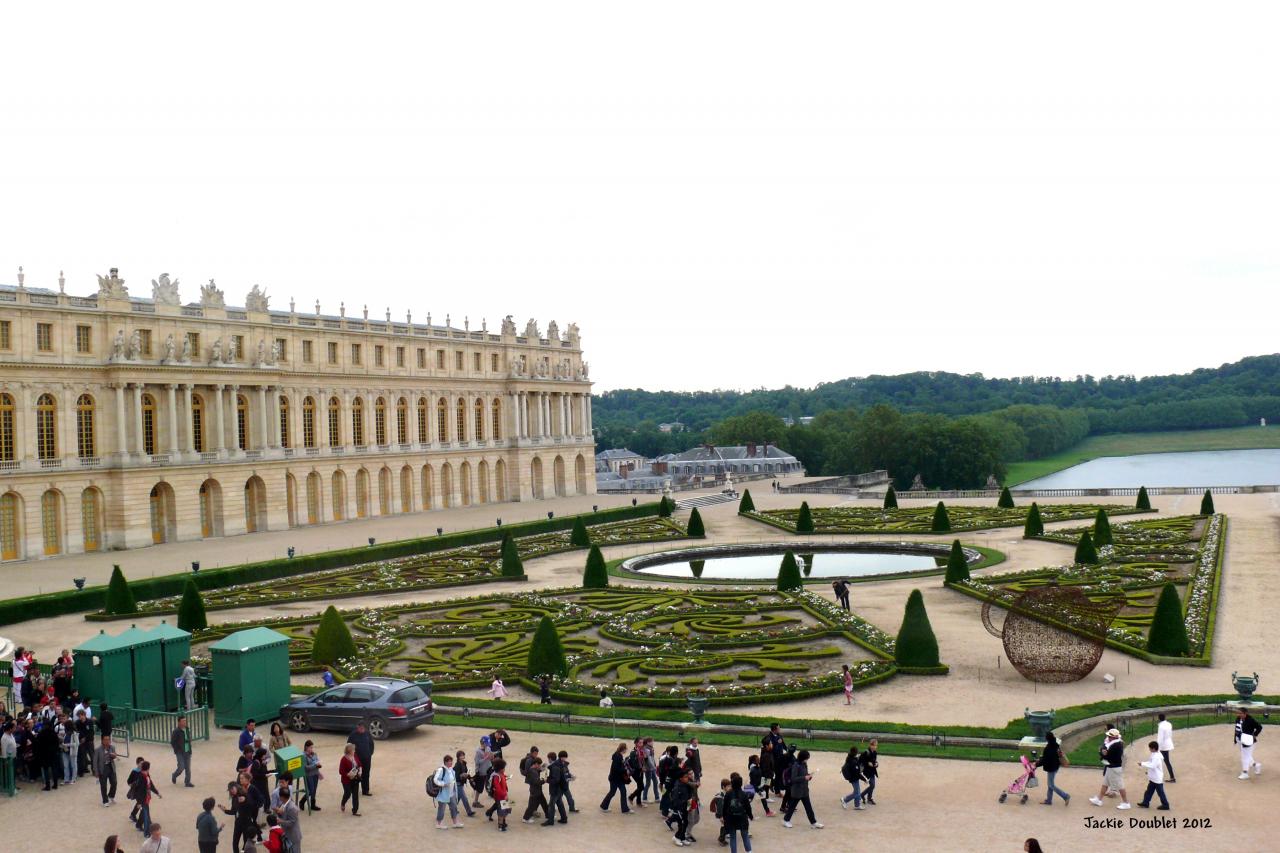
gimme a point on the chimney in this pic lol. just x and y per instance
(659, 467)
(751, 449)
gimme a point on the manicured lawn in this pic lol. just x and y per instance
(1130, 443)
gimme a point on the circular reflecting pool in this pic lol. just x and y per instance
(761, 562)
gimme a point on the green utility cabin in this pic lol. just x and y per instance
(250, 671)
(104, 670)
(148, 668)
(175, 647)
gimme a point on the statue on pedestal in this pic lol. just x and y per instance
(508, 326)
(215, 354)
(917, 485)
(256, 300)
(163, 291)
(117, 346)
(169, 350)
(211, 296)
(111, 286)
(135, 345)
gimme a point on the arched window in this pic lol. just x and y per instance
(284, 421)
(197, 422)
(46, 429)
(424, 422)
(479, 419)
(242, 422)
(10, 519)
(462, 420)
(357, 422)
(6, 427)
(335, 428)
(497, 420)
(442, 420)
(380, 421)
(149, 424)
(309, 422)
(402, 421)
(51, 522)
(86, 444)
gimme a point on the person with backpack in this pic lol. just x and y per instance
(618, 779)
(717, 810)
(759, 781)
(735, 810)
(497, 788)
(782, 776)
(142, 790)
(558, 782)
(442, 786)
(798, 778)
(870, 760)
(535, 776)
(464, 778)
(1052, 760)
(668, 774)
(852, 773)
(1247, 731)
(635, 769)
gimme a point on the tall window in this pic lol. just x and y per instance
(497, 420)
(237, 347)
(10, 515)
(335, 429)
(442, 420)
(193, 344)
(51, 522)
(378, 356)
(148, 424)
(197, 422)
(423, 420)
(440, 359)
(283, 346)
(308, 422)
(380, 421)
(89, 511)
(476, 363)
(284, 421)
(6, 335)
(355, 353)
(479, 419)
(307, 351)
(422, 358)
(402, 421)
(494, 362)
(242, 422)
(46, 427)
(332, 349)
(84, 339)
(399, 356)
(86, 446)
(462, 421)
(458, 360)
(144, 341)
(6, 427)
(44, 337)
(357, 422)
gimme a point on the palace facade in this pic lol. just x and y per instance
(127, 421)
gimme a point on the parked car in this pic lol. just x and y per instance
(385, 705)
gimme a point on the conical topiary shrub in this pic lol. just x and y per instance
(746, 504)
(916, 645)
(664, 507)
(1102, 529)
(579, 538)
(789, 574)
(696, 566)
(1006, 499)
(891, 498)
(941, 521)
(1143, 501)
(191, 609)
(804, 521)
(694, 528)
(1086, 554)
(119, 595)
(332, 640)
(512, 566)
(1034, 525)
(546, 652)
(957, 564)
(1168, 634)
(595, 576)
(1206, 503)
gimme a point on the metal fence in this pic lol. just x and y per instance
(155, 726)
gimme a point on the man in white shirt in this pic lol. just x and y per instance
(1155, 778)
(157, 843)
(1164, 737)
(83, 706)
(188, 685)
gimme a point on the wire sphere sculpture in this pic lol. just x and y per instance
(1041, 650)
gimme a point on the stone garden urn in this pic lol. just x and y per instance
(1244, 685)
(698, 707)
(1041, 722)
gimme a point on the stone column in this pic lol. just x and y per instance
(122, 431)
(24, 427)
(233, 399)
(138, 443)
(186, 408)
(264, 418)
(173, 421)
(67, 438)
(220, 421)
(589, 428)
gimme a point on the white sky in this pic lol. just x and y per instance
(721, 194)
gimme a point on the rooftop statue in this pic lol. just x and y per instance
(111, 286)
(163, 291)
(211, 296)
(256, 300)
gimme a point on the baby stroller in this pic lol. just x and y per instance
(1022, 783)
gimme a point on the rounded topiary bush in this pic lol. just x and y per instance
(191, 616)
(665, 680)
(804, 520)
(1086, 554)
(1206, 503)
(1143, 501)
(1102, 529)
(694, 528)
(332, 639)
(1006, 499)
(1168, 635)
(750, 675)
(119, 596)
(746, 504)
(1034, 525)
(579, 537)
(512, 565)
(891, 498)
(789, 573)
(916, 646)
(546, 652)
(941, 521)
(595, 576)
(957, 564)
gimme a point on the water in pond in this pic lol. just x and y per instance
(1199, 468)
(825, 565)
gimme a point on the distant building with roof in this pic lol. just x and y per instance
(712, 462)
(618, 460)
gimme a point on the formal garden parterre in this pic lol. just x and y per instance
(870, 519)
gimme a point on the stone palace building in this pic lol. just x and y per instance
(128, 421)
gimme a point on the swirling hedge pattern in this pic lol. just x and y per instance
(919, 519)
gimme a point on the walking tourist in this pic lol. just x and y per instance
(1112, 753)
(1053, 760)
(848, 685)
(311, 775)
(1247, 732)
(142, 790)
(535, 776)
(279, 737)
(188, 685)
(544, 690)
(668, 775)
(112, 845)
(870, 759)
(618, 779)
(760, 780)
(104, 770)
(69, 745)
(1164, 737)
(363, 742)
(635, 769)
(290, 819)
(156, 843)
(49, 755)
(1032, 846)
(1155, 778)
(799, 785)
(349, 771)
(247, 736)
(558, 782)
(207, 827)
(650, 770)
(683, 798)
(180, 742)
(852, 773)
(463, 774)
(497, 690)
(445, 783)
(497, 785)
(735, 811)
(483, 767)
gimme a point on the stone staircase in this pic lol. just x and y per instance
(705, 500)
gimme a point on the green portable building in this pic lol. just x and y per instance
(250, 671)
(104, 669)
(175, 647)
(148, 668)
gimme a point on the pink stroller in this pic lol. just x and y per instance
(1022, 783)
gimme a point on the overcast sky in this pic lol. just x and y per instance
(722, 195)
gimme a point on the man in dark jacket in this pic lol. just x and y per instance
(49, 754)
(180, 742)
(364, 751)
(537, 799)
(558, 783)
(1112, 753)
(681, 795)
(1247, 731)
(617, 779)
(105, 720)
(104, 768)
(870, 761)
(497, 741)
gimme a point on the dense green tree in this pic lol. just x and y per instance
(746, 504)
(941, 521)
(119, 596)
(512, 566)
(332, 640)
(804, 521)
(1102, 529)
(1034, 525)
(191, 616)
(596, 575)
(890, 498)
(957, 564)
(694, 527)
(756, 427)
(1168, 635)
(665, 507)
(1006, 499)
(579, 537)
(916, 645)
(789, 573)
(1206, 503)
(1086, 554)
(1143, 502)
(546, 652)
